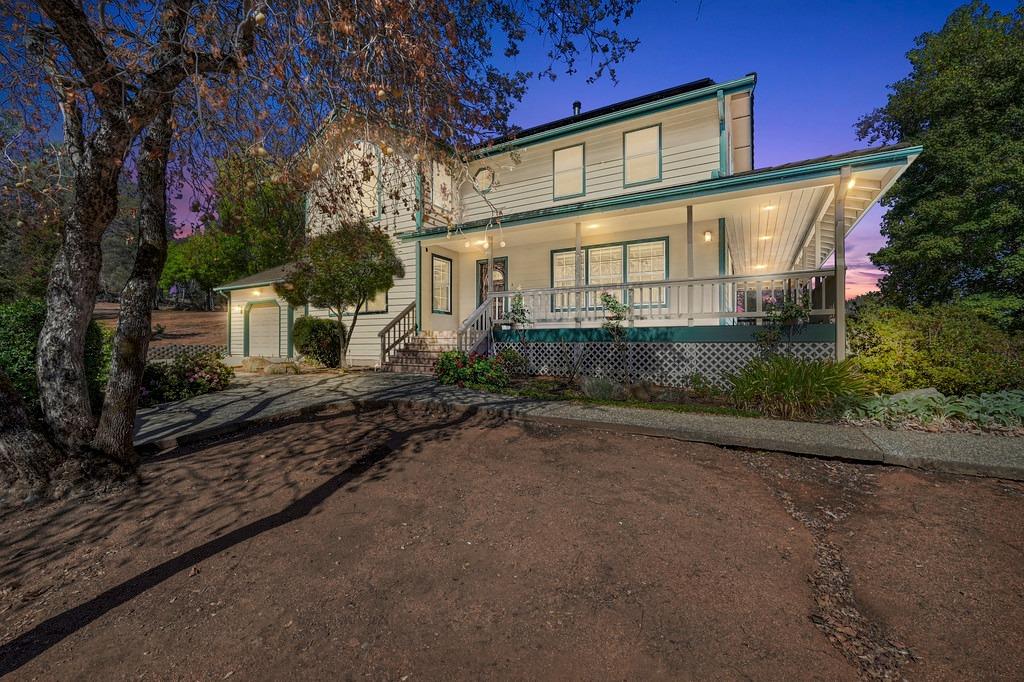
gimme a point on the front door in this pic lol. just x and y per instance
(500, 277)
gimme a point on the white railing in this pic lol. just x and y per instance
(737, 299)
(477, 327)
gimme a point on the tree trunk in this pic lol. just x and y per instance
(26, 456)
(71, 292)
(131, 341)
(342, 341)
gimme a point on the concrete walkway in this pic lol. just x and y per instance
(260, 398)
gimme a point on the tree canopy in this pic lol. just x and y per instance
(341, 270)
(955, 224)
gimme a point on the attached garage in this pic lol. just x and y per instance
(263, 330)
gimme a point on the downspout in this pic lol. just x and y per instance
(419, 246)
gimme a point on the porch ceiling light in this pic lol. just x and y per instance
(255, 292)
(593, 226)
(852, 183)
(769, 207)
(502, 243)
(765, 237)
(707, 235)
(759, 266)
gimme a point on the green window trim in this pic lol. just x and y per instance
(245, 323)
(625, 261)
(433, 257)
(583, 172)
(364, 312)
(649, 181)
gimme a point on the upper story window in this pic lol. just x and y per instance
(641, 156)
(441, 191)
(569, 173)
(366, 159)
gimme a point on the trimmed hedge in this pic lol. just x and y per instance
(955, 348)
(318, 339)
(20, 324)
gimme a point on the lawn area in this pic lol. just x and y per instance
(402, 544)
(180, 326)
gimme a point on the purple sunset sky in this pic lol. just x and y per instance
(820, 66)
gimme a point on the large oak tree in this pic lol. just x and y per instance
(239, 75)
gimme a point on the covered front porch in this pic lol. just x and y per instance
(699, 263)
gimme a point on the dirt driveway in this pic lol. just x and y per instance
(180, 326)
(397, 544)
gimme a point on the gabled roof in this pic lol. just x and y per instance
(260, 279)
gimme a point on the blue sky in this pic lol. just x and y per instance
(820, 66)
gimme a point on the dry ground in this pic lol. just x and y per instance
(397, 544)
(181, 326)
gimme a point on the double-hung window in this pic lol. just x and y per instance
(641, 156)
(441, 285)
(613, 265)
(441, 190)
(569, 172)
(365, 169)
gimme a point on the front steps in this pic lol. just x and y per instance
(421, 352)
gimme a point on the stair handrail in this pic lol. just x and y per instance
(476, 327)
(404, 321)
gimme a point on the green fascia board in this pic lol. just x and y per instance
(711, 92)
(733, 183)
(248, 286)
(812, 333)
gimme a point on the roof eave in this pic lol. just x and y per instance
(746, 83)
(732, 183)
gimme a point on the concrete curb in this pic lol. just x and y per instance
(876, 452)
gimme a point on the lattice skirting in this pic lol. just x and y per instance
(665, 364)
(171, 351)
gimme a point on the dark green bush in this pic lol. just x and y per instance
(317, 338)
(188, 375)
(956, 348)
(513, 362)
(20, 324)
(782, 386)
(454, 367)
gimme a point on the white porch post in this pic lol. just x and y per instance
(840, 239)
(579, 274)
(689, 263)
(490, 271)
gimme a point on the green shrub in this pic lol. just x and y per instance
(513, 361)
(20, 324)
(317, 338)
(455, 368)
(602, 388)
(188, 375)
(1003, 409)
(956, 348)
(782, 386)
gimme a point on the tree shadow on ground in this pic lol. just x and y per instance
(226, 479)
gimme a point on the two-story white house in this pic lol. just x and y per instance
(655, 200)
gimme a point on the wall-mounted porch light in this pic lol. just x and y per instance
(852, 183)
(707, 235)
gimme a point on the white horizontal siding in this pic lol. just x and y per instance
(689, 153)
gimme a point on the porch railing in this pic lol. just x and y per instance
(476, 329)
(737, 299)
(397, 331)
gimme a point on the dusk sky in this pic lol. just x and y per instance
(820, 66)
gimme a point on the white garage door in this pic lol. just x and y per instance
(264, 330)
